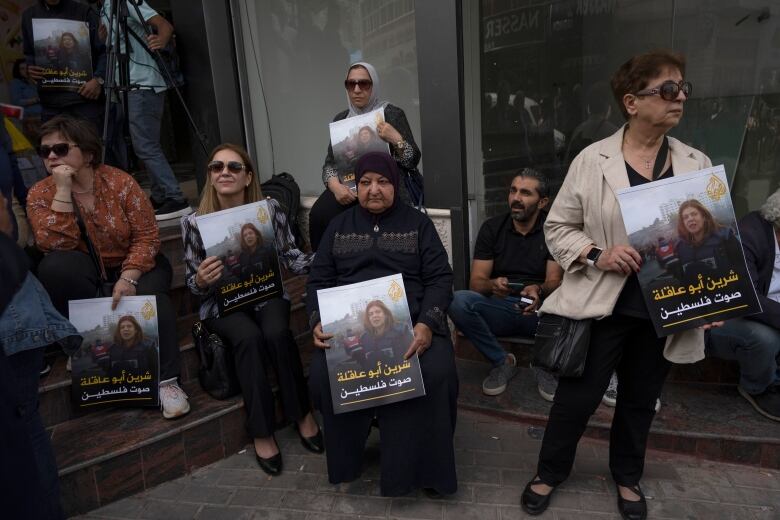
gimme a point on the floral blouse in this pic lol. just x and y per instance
(293, 258)
(122, 225)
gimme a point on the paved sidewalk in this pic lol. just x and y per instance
(495, 460)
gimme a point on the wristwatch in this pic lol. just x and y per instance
(100, 80)
(593, 256)
(400, 144)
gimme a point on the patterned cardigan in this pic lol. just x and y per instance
(290, 256)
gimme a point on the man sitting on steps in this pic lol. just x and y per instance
(754, 341)
(511, 261)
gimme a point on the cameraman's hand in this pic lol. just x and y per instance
(156, 42)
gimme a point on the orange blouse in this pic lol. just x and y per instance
(122, 225)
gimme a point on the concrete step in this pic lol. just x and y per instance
(708, 420)
(708, 370)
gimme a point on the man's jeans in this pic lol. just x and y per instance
(754, 345)
(145, 109)
(482, 318)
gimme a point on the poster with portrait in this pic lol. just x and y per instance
(693, 269)
(63, 49)
(118, 362)
(243, 239)
(372, 331)
(351, 138)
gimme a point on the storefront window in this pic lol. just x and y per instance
(297, 53)
(545, 70)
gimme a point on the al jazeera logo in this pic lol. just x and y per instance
(395, 292)
(716, 189)
(147, 311)
(262, 215)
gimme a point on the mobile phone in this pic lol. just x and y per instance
(525, 302)
(515, 287)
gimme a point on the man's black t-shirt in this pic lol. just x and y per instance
(521, 258)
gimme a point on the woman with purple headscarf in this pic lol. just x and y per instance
(378, 237)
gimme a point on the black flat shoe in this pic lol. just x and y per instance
(271, 465)
(314, 443)
(532, 502)
(432, 493)
(632, 509)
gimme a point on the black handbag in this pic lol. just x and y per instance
(217, 373)
(561, 345)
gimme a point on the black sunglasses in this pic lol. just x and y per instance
(364, 84)
(59, 149)
(669, 90)
(219, 166)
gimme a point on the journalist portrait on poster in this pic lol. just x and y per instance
(372, 331)
(693, 269)
(62, 48)
(352, 138)
(118, 362)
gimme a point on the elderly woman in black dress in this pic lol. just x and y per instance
(379, 237)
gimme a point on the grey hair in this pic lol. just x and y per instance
(771, 209)
(544, 186)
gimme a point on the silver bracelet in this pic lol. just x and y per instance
(132, 282)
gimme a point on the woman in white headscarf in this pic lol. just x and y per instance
(362, 85)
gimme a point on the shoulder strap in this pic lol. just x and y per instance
(93, 252)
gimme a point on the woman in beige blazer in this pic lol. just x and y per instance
(586, 235)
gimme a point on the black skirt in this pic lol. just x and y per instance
(416, 435)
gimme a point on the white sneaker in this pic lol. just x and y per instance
(173, 400)
(610, 396)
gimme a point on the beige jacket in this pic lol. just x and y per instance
(585, 212)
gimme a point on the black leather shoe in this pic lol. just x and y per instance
(632, 509)
(271, 465)
(314, 443)
(533, 503)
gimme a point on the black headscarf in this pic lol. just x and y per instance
(383, 164)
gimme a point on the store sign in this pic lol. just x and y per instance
(515, 27)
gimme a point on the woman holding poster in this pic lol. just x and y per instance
(362, 84)
(260, 333)
(380, 237)
(97, 228)
(586, 234)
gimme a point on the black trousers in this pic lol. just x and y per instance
(259, 339)
(71, 275)
(28, 471)
(416, 435)
(325, 209)
(629, 346)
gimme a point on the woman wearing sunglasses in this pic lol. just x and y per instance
(362, 84)
(586, 234)
(97, 228)
(259, 335)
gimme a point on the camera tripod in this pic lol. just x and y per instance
(118, 58)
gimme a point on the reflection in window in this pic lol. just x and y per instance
(545, 70)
